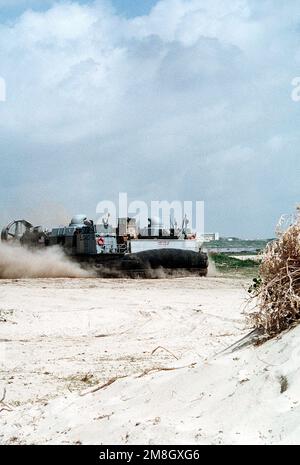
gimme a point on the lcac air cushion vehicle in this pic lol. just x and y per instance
(125, 251)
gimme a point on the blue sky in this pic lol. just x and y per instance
(133, 7)
(191, 101)
(130, 8)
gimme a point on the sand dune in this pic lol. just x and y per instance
(63, 338)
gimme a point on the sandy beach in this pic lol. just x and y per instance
(92, 361)
(61, 336)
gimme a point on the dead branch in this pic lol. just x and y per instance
(101, 386)
(163, 348)
(4, 406)
(157, 369)
(3, 396)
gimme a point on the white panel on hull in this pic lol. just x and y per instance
(140, 245)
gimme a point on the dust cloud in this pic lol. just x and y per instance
(212, 269)
(20, 262)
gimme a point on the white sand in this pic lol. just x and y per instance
(254, 258)
(64, 336)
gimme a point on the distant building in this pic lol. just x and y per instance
(209, 237)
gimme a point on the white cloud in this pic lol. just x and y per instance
(182, 103)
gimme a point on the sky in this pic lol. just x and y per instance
(164, 100)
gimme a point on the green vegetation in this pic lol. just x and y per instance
(231, 265)
(223, 260)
